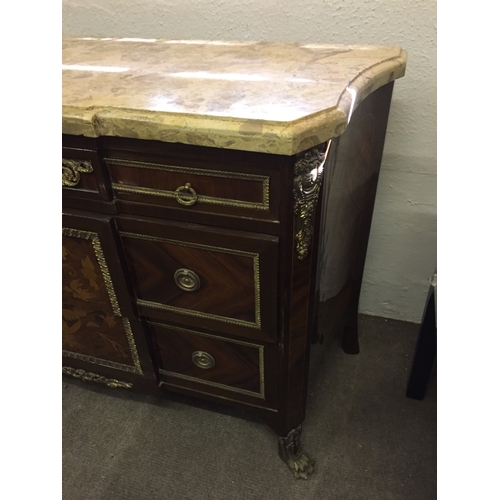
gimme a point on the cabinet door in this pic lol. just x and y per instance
(99, 326)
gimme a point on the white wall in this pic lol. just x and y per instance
(402, 249)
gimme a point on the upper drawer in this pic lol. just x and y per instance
(82, 175)
(207, 189)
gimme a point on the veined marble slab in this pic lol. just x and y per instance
(254, 96)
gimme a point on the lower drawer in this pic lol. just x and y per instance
(216, 365)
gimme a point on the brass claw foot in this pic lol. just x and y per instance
(291, 453)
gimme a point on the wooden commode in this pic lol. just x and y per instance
(204, 184)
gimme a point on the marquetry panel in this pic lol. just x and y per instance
(93, 327)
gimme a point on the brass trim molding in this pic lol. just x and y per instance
(256, 274)
(308, 172)
(264, 205)
(101, 362)
(214, 384)
(93, 377)
(96, 244)
(131, 343)
(260, 394)
(71, 170)
(196, 314)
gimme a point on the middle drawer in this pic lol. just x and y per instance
(203, 277)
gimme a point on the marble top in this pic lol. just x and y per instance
(270, 97)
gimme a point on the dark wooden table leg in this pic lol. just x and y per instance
(425, 352)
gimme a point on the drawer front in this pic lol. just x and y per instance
(207, 189)
(215, 365)
(203, 277)
(82, 175)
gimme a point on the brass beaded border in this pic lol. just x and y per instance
(101, 362)
(94, 377)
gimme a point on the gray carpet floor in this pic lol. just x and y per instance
(369, 441)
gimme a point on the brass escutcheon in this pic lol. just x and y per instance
(71, 170)
(203, 360)
(183, 198)
(187, 280)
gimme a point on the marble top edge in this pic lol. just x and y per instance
(252, 95)
(234, 42)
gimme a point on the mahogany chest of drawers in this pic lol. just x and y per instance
(194, 220)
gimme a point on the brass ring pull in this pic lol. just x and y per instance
(186, 198)
(187, 280)
(203, 360)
